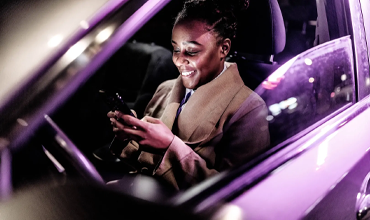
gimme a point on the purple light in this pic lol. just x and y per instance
(5, 172)
(274, 79)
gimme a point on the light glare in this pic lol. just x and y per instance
(229, 212)
(358, 195)
(275, 109)
(308, 61)
(283, 104)
(343, 123)
(22, 122)
(55, 41)
(269, 117)
(104, 35)
(322, 153)
(311, 80)
(293, 106)
(291, 101)
(84, 25)
(76, 50)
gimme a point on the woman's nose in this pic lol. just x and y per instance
(180, 59)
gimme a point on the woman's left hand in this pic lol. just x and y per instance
(148, 132)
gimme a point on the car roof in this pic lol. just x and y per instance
(33, 31)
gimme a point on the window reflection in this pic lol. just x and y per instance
(308, 88)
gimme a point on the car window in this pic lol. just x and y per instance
(318, 78)
(308, 88)
(300, 19)
(309, 23)
(60, 76)
(134, 71)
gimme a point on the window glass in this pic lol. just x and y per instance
(365, 5)
(309, 23)
(308, 88)
(320, 79)
(360, 46)
(300, 22)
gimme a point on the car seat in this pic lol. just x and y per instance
(260, 36)
(136, 71)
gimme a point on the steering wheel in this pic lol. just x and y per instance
(63, 149)
(73, 160)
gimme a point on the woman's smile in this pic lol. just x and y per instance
(187, 73)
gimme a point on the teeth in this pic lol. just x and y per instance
(187, 73)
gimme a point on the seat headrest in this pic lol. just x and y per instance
(261, 29)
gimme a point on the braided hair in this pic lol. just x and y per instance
(219, 15)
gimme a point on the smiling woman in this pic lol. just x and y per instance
(223, 123)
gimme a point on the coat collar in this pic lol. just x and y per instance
(204, 108)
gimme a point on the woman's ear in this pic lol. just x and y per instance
(225, 47)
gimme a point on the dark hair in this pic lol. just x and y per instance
(219, 15)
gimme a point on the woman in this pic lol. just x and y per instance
(222, 124)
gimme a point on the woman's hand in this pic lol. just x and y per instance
(114, 120)
(118, 132)
(149, 132)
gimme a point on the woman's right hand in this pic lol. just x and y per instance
(118, 126)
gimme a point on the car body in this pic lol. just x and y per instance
(318, 165)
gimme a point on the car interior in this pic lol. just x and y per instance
(135, 71)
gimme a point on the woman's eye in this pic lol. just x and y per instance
(191, 53)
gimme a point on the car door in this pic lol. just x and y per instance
(325, 169)
(348, 199)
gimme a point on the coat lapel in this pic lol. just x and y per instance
(205, 107)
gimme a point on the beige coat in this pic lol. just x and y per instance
(223, 124)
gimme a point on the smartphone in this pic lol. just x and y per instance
(115, 102)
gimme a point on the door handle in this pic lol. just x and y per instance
(363, 200)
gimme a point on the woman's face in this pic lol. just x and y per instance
(196, 53)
